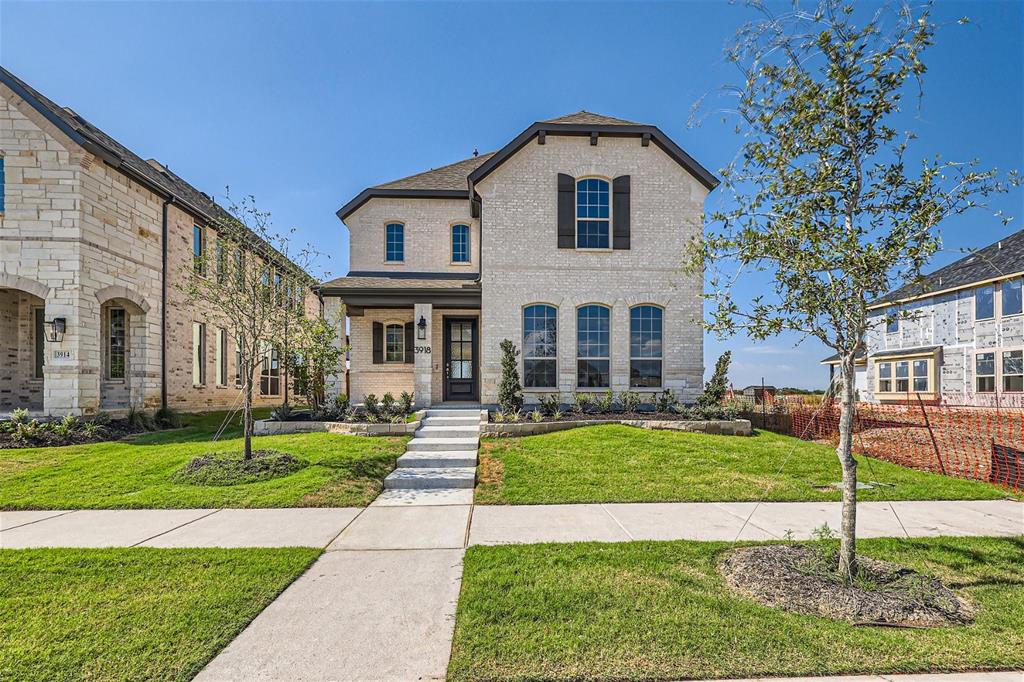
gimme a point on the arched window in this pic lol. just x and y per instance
(592, 346)
(394, 343)
(645, 343)
(593, 214)
(394, 245)
(460, 244)
(540, 346)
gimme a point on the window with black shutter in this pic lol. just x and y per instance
(566, 211)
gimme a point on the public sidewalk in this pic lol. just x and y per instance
(1011, 676)
(446, 522)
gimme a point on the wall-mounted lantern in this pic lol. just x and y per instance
(421, 328)
(55, 329)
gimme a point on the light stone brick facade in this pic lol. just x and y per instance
(518, 261)
(78, 237)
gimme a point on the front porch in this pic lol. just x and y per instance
(411, 334)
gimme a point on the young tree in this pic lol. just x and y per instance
(510, 391)
(316, 354)
(250, 281)
(827, 202)
(714, 390)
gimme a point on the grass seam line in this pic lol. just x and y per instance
(176, 527)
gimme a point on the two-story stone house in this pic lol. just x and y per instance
(569, 241)
(92, 240)
(958, 336)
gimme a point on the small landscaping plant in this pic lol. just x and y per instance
(21, 431)
(630, 401)
(549, 403)
(580, 403)
(371, 406)
(282, 412)
(510, 390)
(230, 468)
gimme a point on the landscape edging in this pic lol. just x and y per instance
(271, 427)
(724, 427)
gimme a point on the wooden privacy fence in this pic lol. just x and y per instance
(982, 443)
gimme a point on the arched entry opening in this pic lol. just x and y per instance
(122, 348)
(22, 350)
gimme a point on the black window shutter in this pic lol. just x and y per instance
(408, 342)
(620, 212)
(378, 343)
(566, 211)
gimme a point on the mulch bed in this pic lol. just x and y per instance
(228, 468)
(796, 578)
(114, 430)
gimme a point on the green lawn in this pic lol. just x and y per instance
(617, 463)
(131, 614)
(660, 611)
(343, 471)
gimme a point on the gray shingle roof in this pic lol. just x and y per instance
(450, 177)
(588, 118)
(154, 173)
(1005, 257)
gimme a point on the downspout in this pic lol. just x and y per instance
(163, 304)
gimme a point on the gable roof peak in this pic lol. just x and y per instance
(584, 117)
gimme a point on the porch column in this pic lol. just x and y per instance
(423, 357)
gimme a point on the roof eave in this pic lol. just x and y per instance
(703, 175)
(396, 193)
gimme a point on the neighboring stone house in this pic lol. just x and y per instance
(569, 241)
(963, 341)
(92, 239)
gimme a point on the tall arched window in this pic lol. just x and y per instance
(593, 214)
(394, 343)
(460, 243)
(394, 242)
(645, 343)
(593, 346)
(540, 346)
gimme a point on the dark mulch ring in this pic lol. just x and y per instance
(802, 579)
(228, 468)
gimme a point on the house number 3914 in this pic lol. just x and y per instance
(423, 349)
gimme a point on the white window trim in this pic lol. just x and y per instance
(1002, 373)
(932, 375)
(222, 355)
(388, 261)
(576, 341)
(660, 358)
(995, 370)
(576, 218)
(522, 320)
(401, 337)
(198, 354)
(999, 289)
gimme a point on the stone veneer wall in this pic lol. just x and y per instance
(521, 263)
(86, 235)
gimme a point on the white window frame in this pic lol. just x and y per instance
(1002, 370)
(577, 219)
(401, 341)
(198, 354)
(222, 356)
(551, 358)
(661, 351)
(889, 379)
(994, 375)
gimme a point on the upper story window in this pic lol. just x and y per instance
(540, 346)
(984, 307)
(394, 244)
(593, 214)
(198, 250)
(592, 346)
(460, 243)
(645, 329)
(1011, 294)
(893, 324)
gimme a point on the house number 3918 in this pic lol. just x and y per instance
(423, 349)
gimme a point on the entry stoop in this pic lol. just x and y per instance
(442, 455)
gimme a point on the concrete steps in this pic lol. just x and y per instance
(430, 478)
(438, 458)
(442, 454)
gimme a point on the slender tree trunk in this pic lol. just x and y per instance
(247, 414)
(848, 529)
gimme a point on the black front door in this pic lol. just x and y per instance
(460, 365)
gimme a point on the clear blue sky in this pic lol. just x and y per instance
(305, 104)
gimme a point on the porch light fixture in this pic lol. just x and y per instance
(421, 328)
(55, 329)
